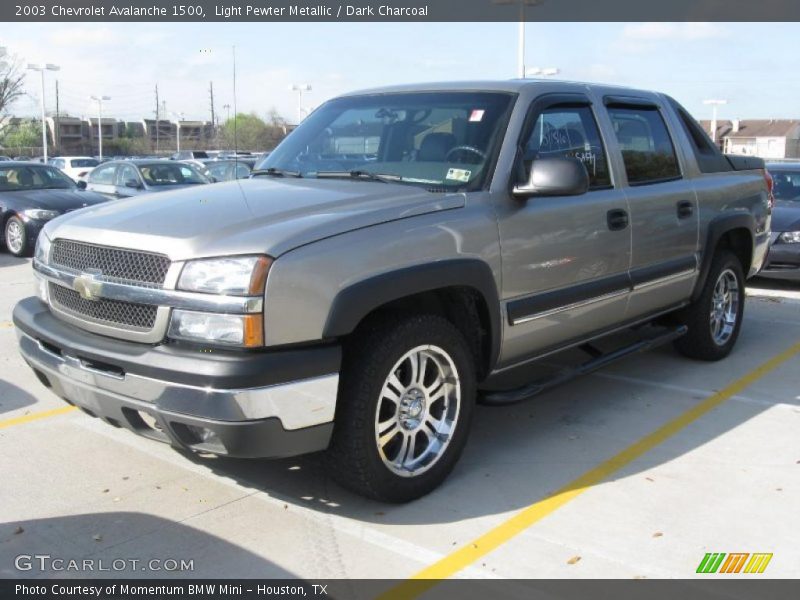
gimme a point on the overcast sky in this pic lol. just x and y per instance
(755, 66)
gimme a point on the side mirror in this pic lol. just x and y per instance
(81, 185)
(556, 176)
(132, 183)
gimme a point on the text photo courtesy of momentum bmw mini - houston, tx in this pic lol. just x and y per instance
(477, 298)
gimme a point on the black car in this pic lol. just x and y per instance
(32, 194)
(783, 260)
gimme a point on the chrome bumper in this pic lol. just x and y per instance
(296, 404)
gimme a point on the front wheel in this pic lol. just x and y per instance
(715, 319)
(404, 409)
(18, 241)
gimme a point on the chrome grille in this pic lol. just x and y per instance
(115, 264)
(110, 312)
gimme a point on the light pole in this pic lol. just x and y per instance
(42, 68)
(99, 100)
(714, 104)
(521, 35)
(542, 71)
(300, 88)
(178, 118)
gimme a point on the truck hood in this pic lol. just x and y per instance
(249, 216)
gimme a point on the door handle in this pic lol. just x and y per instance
(617, 219)
(685, 209)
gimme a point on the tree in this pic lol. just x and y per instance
(248, 131)
(24, 134)
(11, 79)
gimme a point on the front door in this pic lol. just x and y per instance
(565, 259)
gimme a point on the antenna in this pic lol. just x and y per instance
(235, 112)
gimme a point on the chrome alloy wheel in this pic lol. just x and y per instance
(15, 236)
(417, 411)
(724, 307)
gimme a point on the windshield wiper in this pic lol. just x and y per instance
(274, 172)
(365, 175)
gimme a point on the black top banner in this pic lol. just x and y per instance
(398, 10)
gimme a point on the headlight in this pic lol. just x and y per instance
(42, 252)
(40, 214)
(790, 237)
(235, 276)
(232, 330)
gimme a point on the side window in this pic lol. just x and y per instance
(708, 155)
(242, 171)
(103, 175)
(570, 132)
(125, 173)
(647, 149)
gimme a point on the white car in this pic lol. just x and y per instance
(76, 167)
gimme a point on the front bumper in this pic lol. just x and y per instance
(243, 404)
(783, 261)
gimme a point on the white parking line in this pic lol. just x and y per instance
(343, 525)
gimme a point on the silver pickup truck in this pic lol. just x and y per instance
(404, 253)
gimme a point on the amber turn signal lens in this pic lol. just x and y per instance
(253, 331)
(258, 280)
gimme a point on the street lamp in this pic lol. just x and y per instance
(42, 68)
(521, 37)
(300, 88)
(714, 104)
(542, 72)
(100, 100)
(178, 118)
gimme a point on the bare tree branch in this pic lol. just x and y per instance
(12, 78)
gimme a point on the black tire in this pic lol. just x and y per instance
(353, 458)
(25, 247)
(700, 343)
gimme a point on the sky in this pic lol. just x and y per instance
(755, 66)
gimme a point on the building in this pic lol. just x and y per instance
(766, 138)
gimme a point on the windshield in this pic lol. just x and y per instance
(33, 177)
(166, 173)
(442, 140)
(786, 185)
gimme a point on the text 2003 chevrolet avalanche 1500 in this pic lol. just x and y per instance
(403, 251)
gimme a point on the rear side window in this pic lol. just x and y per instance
(103, 175)
(569, 132)
(708, 155)
(647, 149)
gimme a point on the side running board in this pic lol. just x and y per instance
(598, 361)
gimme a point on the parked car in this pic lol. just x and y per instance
(189, 155)
(783, 260)
(31, 195)
(359, 292)
(126, 178)
(75, 167)
(229, 169)
(4, 158)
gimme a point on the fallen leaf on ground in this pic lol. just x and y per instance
(18, 530)
(97, 537)
(573, 560)
(658, 534)
(105, 491)
(649, 479)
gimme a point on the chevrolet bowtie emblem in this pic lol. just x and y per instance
(88, 286)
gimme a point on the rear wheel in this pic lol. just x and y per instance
(404, 410)
(715, 319)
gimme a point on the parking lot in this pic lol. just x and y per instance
(705, 458)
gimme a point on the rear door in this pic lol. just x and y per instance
(565, 259)
(663, 206)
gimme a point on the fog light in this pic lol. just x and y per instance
(203, 435)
